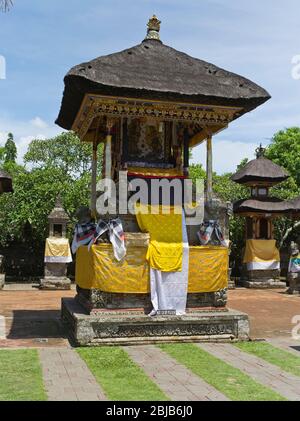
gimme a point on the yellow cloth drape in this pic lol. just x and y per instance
(208, 269)
(261, 251)
(155, 172)
(98, 269)
(165, 251)
(57, 250)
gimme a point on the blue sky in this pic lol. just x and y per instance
(42, 40)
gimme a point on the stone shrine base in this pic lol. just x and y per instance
(261, 279)
(55, 284)
(128, 327)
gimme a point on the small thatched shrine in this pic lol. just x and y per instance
(149, 105)
(5, 182)
(261, 262)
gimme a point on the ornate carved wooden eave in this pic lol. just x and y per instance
(214, 118)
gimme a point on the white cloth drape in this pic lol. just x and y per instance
(169, 289)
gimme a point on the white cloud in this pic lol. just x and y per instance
(26, 131)
(39, 123)
(227, 155)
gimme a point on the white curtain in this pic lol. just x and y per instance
(169, 289)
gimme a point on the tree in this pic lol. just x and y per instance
(65, 152)
(61, 165)
(284, 150)
(10, 150)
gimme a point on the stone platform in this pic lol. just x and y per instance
(261, 279)
(128, 327)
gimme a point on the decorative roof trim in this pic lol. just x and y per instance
(99, 105)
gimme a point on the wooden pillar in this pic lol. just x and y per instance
(124, 143)
(108, 149)
(94, 178)
(186, 152)
(209, 167)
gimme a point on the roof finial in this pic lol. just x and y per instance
(260, 152)
(153, 29)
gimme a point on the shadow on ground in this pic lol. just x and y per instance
(36, 324)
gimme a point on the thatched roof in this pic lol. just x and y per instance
(264, 205)
(260, 170)
(152, 70)
(5, 182)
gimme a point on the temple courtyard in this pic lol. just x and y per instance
(39, 362)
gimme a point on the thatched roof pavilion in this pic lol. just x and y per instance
(153, 70)
(5, 182)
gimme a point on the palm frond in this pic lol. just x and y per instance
(5, 5)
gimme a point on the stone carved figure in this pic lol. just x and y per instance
(294, 270)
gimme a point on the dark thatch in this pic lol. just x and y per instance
(260, 170)
(152, 70)
(5, 182)
(265, 205)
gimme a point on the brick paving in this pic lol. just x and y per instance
(32, 318)
(67, 377)
(286, 384)
(176, 381)
(270, 311)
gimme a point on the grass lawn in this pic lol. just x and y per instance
(228, 380)
(21, 376)
(283, 359)
(120, 377)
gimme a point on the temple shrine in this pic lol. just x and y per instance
(150, 278)
(261, 260)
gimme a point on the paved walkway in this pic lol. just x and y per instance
(287, 344)
(67, 377)
(32, 317)
(287, 385)
(270, 311)
(176, 381)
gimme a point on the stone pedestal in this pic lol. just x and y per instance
(261, 279)
(94, 300)
(2, 281)
(294, 284)
(128, 327)
(2, 275)
(55, 277)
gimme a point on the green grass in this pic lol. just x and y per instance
(283, 359)
(228, 380)
(120, 377)
(21, 376)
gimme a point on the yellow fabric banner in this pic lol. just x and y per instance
(261, 251)
(98, 269)
(155, 172)
(209, 269)
(165, 250)
(57, 250)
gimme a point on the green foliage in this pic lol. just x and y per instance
(58, 166)
(10, 149)
(285, 151)
(197, 172)
(64, 152)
